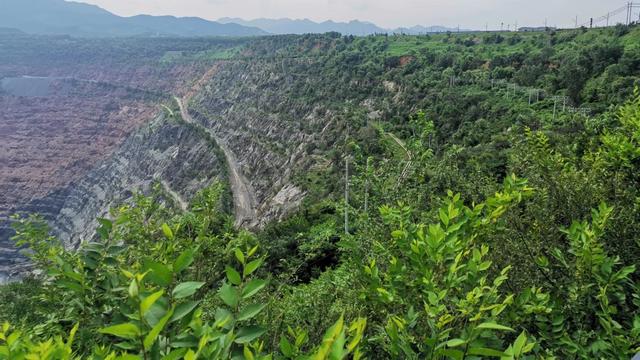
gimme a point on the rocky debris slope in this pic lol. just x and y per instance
(48, 141)
(166, 152)
(247, 106)
(243, 194)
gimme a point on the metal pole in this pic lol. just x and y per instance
(366, 191)
(346, 196)
(346, 184)
(555, 102)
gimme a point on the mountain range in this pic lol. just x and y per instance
(354, 27)
(60, 17)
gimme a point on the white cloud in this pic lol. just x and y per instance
(388, 13)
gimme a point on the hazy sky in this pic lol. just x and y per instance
(387, 13)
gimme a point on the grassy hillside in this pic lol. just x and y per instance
(492, 212)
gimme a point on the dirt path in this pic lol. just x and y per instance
(244, 200)
(176, 197)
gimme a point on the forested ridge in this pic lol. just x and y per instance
(480, 199)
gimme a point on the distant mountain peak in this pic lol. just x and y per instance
(62, 17)
(351, 27)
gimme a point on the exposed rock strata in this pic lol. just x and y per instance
(165, 151)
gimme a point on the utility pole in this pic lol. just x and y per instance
(366, 188)
(608, 19)
(591, 24)
(576, 21)
(346, 183)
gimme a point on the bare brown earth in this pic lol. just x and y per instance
(49, 141)
(100, 91)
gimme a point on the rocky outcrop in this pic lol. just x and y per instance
(166, 152)
(246, 105)
(244, 196)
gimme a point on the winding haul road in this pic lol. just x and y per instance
(244, 200)
(176, 197)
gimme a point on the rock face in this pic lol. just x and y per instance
(267, 136)
(48, 141)
(246, 106)
(166, 152)
(68, 104)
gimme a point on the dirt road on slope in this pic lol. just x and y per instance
(244, 200)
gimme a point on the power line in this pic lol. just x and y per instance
(606, 19)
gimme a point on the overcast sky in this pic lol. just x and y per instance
(474, 14)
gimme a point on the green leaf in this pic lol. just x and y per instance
(250, 311)
(229, 295)
(333, 334)
(175, 354)
(186, 289)
(253, 250)
(125, 331)
(133, 288)
(167, 231)
(151, 337)
(485, 352)
(157, 311)
(493, 326)
(252, 288)
(183, 310)
(249, 333)
(248, 355)
(443, 217)
(456, 342)
(105, 228)
(239, 256)
(128, 357)
(519, 344)
(146, 304)
(183, 261)
(285, 347)
(223, 318)
(252, 266)
(452, 353)
(233, 275)
(70, 285)
(159, 274)
(190, 355)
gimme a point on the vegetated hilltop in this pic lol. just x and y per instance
(489, 209)
(60, 17)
